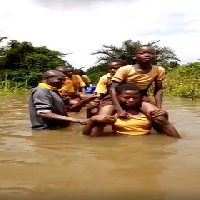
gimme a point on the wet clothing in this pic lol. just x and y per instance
(45, 98)
(135, 125)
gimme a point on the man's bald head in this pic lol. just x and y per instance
(54, 78)
(51, 73)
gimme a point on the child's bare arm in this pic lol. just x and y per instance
(115, 101)
(158, 93)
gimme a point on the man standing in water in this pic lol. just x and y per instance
(47, 110)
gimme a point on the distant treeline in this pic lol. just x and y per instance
(22, 64)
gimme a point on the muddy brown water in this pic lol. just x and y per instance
(64, 164)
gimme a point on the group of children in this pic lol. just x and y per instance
(120, 99)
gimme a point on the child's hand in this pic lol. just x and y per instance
(94, 103)
(156, 113)
(123, 114)
(83, 96)
(104, 118)
(82, 121)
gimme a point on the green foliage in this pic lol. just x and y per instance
(127, 50)
(96, 72)
(22, 64)
(165, 56)
(184, 81)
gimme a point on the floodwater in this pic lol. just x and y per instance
(64, 164)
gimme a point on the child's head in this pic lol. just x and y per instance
(114, 65)
(128, 95)
(79, 72)
(68, 71)
(144, 54)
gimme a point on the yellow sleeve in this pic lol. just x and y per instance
(121, 74)
(86, 79)
(79, 82)
(101, 86)
(161, 74)
(67, 87)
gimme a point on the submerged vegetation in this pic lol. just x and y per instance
(22, 64)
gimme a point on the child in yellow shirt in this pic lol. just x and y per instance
(84, 77)
(136, 123)
(69, 90)
(102, 89)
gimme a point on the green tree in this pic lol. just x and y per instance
(22, 63)
(165, 56)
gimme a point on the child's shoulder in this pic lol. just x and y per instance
(158, 67)
(127, 67)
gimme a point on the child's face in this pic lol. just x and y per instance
(129, 98)
(68, 72)
(113, 67)
(145, 55)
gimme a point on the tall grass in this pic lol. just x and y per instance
(184, 81)
(9, 87)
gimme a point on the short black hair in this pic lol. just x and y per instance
(123, 62)
(127, 86)
(141, 46)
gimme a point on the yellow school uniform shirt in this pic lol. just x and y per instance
(104, 81)
(85, 79)
(135, 125)
(72, 84)
(129, 75)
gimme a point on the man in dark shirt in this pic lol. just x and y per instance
(47, 110)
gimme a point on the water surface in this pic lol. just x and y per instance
(64, 164)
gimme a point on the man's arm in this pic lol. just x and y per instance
(51, 115)
(158, 93)
(42, 101)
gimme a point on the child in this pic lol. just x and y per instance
(102, 90)
(142, 74)
(73, 82)
(84, 77)
(129, 98)
(69, 90)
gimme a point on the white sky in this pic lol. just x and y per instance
(82, 27)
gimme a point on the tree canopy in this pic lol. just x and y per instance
(23, 63)
(165, 56)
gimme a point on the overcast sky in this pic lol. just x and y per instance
(81, 27)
